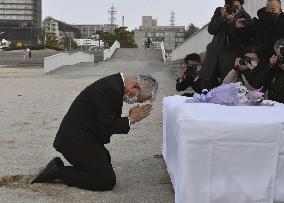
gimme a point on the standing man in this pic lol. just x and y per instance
(148, 42)
(30, 53)
(226, 44)
(92, 119)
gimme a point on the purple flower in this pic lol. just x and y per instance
(233, 94)
(255, 97)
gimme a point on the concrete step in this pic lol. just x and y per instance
(128, 54)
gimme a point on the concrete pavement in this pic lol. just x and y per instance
(32, 106)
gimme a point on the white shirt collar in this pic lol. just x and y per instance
(122, 78)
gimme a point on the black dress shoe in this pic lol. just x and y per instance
(48, 174)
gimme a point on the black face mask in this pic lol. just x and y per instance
(270, 16)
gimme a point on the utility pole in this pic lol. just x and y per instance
(112, 12)
(70, 42)
(31, 42)
(172, 20)
(122, 21)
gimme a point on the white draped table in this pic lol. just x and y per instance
(222, 154)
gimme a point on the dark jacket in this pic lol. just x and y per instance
(183, 84)
(257, 77)
(276, 89)
(95, 112)
(252, 79)
(225, 45)
(264, 32)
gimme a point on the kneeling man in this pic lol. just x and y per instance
(94, 116)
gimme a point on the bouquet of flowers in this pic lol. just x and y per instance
(233, 94)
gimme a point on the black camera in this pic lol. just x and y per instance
(192, 70)
(280, 58)
(244, 61)
(230, 7)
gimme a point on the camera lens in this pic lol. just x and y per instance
(280, 60)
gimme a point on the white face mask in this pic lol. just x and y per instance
(252, 65)
(130, 100)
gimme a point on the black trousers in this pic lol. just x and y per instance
(90, 168)
(225, 63)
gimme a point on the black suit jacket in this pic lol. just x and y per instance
(183, 84)
(96, 113)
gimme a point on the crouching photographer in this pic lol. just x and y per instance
(276, 89)
(250, 70)
(190, 74)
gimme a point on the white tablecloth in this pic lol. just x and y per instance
(221, 154)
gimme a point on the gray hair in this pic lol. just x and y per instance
(148, 85)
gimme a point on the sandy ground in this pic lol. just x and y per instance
(15, 58)
(9, 59)
(32, 106)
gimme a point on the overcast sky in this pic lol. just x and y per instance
(198, 12)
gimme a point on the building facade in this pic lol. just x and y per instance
(148, 23)
(51, 26)
(59, 28)
(20, 20)
(87, 31)
(172, 36)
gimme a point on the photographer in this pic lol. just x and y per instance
(249, 69)
(190, 74)
(226, 44)
(276, 89)
(265, 30)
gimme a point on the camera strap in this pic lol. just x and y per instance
(246, 83)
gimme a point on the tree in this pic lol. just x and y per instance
(68, 43)
(66, 28)
(107, 38)
(41, 36)
(191, 29)
(51, 39)
(124, 37)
